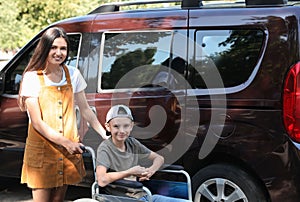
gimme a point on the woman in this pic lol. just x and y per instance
(52, 158)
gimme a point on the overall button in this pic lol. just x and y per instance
(60, 117)
(60, 172)
(60, 102)
(60, 159)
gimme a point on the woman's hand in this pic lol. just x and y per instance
(74, 147)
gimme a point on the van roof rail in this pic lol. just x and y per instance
(191, 3)
(112, 7)
(266, 2)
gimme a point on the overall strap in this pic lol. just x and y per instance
(67, 74)
(41, 77)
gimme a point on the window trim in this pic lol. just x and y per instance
(103, 39)
(242, 86)
(79, 45)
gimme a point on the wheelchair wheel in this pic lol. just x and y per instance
(223, 182)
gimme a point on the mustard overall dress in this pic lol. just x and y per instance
(46, 164)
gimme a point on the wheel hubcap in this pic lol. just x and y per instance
(219, 190)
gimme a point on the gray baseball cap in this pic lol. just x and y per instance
(118, 111)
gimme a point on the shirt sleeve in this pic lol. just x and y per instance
(78, 82)
(142, 149)
(30, 85)
(102, 156)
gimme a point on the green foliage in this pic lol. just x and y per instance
(22, 19)
(13, 32)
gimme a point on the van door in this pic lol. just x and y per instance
(142, 64)
(224, 59)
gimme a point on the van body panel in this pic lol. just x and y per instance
(125, 21)
(230, 116)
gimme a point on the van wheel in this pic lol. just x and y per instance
(223, 182)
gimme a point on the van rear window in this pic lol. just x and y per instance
(234, 53)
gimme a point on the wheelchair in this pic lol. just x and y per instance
(179, 187)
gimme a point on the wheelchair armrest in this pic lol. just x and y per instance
(127, 183)
(172, 167)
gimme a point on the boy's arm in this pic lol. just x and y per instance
(104, 178)
(158, 161)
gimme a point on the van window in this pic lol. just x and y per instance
(123, 52)
(233, 52)
(14, 74)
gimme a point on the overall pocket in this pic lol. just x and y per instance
(34, 154)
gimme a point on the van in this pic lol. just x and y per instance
(213, 86)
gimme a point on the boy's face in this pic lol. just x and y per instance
(119, 128)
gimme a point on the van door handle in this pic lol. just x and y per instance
(93, 108)
(78, 116)
(226, 130)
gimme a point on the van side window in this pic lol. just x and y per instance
(233, 52)
(14, 74)
(75, 42)
(126, 52)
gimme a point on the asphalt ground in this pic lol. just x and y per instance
(12, 191)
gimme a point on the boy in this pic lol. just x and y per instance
(119, 156)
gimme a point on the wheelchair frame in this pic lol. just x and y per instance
(95, 190)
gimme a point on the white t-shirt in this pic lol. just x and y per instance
(31, 83)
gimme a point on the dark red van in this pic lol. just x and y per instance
(213, 86)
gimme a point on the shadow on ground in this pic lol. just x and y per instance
(12, 190)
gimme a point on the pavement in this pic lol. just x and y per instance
(12, 190)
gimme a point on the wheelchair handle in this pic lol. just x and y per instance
(82, 147)
(90, 150)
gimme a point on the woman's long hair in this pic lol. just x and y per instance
(38, 60)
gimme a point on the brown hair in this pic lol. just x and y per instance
(38, 60)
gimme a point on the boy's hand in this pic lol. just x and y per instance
(138, 171)
(146, 175)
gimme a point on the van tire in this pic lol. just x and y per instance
(230, 178)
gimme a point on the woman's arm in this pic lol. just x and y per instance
(44, 129)
(88, 114)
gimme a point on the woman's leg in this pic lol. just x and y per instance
(56, 194)
(41, 195)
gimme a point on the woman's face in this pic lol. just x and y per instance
(58, 51)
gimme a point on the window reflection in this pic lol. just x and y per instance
(124, 52)
(233, 52)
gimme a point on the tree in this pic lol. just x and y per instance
(22, 19)
(13, 32)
